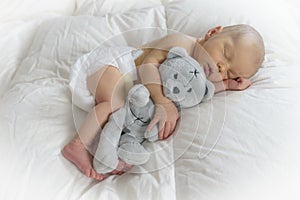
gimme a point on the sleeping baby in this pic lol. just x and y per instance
(229, 57)
(122, 138)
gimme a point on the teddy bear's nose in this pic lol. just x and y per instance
(176, 90)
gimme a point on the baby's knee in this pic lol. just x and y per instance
(107, 107)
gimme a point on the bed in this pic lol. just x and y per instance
(239, 145)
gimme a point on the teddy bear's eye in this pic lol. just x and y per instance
(189, 90)
(195, 72)
(175, 76)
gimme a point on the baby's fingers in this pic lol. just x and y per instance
(153, 122)
(243, 83)
(161, 128)
(172, 127)
(167, 130)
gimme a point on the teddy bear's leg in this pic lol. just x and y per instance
(131, 151)
(106, 158)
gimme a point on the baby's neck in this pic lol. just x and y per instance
(198, 50)
(197, 45)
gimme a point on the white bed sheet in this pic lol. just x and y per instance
(239, 145)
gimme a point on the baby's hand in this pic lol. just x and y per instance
(166, 115)
(237, 84)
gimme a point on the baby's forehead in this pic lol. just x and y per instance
(246, 59)
(244, 65)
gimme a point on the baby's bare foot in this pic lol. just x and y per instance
(121, 168)
(76, 152)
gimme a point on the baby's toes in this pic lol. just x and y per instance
(100, 177)
(115, 172)
(121, 168)
(127, 167)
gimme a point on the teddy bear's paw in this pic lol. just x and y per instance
(101, 168)
(133, 153)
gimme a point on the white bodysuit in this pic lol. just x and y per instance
(121, 57)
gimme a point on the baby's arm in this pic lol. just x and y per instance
(232, 84)
(150, 76)
(166, 113)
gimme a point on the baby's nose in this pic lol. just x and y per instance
(224, 75)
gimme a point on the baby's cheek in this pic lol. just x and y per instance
(216, 76)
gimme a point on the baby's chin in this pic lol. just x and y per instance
(214, 78)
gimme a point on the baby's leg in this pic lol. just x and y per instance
(108, 89)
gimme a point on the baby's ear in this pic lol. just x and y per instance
(177, 52)
(212, 32)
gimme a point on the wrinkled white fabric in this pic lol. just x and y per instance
(242, 145)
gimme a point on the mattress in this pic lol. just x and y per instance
(239, 145)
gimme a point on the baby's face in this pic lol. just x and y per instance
(225, 58)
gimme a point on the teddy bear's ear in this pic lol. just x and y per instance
(210, 90)
(177, 52)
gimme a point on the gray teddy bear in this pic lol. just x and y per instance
(184, 82)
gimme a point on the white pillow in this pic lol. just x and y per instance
(59, 42)
(294, 7)
(15, 39)
(27, 9)
(270, 17)
(102, 7)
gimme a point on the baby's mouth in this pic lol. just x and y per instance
(207, 70)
